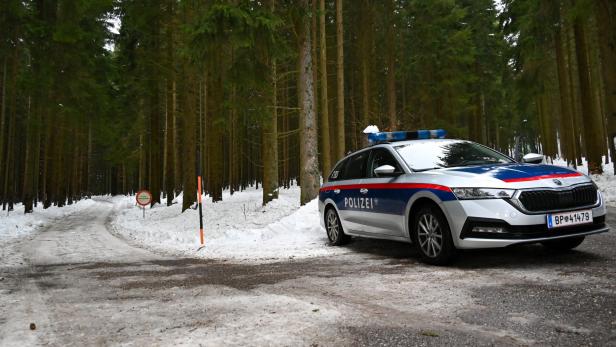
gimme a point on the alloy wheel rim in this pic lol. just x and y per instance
(430, 235)
(332, 226)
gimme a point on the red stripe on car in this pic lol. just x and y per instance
(388, 186)
(542, 177)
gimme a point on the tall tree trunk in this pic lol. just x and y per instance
(269, 138)
(3, 135)
(572, 68)
(325, 135)
(606, 22)
(189, 183)
(593, 142)
(567, 140)
(29, 160)
(170, 110)
(215, 128)
(11, 146)
(170, 142)
(309, 154)
(155, 152)
(391, 68)
(365, 69)
(340, 147)
(269, 144)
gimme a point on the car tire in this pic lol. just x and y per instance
(333, 228)
(563, 244)
(432, 236)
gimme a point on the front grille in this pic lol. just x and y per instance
(550, 200)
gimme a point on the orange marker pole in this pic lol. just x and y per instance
(200, 210)
(200, 191)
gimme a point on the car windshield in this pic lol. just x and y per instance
(428, 155)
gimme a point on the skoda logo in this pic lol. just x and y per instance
(558, 182)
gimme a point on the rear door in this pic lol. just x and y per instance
(347, 193)
(387, 200)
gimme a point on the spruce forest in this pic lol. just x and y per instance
(112, 96)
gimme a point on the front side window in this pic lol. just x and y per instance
(380, 157)
(429, 155)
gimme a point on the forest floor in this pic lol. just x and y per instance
(80, 284)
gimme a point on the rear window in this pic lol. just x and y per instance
(337, 173)
(356, 166)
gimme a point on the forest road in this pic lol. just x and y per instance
(80, 285)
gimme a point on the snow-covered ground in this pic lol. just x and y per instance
(16, 224)
(237, 228)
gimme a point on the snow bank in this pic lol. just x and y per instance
(237, 228)
(606, 181)
(17, 224)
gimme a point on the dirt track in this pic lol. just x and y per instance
(82, 286)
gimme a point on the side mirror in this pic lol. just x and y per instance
(532, 158)
(385, 170)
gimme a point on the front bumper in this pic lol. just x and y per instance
(515, 226)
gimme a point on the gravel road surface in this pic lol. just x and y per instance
(80, 285)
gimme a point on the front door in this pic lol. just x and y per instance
(388, 202)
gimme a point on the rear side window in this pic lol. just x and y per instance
(356, 166)
(338, 172)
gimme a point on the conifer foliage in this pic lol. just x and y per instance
(273, 93)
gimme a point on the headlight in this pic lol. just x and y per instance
(482, 193)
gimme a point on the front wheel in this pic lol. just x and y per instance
(432, 236)
(563, 244)
(335, 233)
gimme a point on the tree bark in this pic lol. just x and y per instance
(606, 22)
(567, 140)
(575, 114)
(189, 183)
(340, 147)
(29, 160)
(309, 155)
(3, 135)
(215, 124)
(269, 139)
(593, 142)
(325, 136)
(391, 68)
(170, 110)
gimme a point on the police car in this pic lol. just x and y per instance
(443, 195)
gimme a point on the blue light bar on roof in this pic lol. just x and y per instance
(406, 135)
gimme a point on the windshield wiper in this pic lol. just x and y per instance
(429, 168)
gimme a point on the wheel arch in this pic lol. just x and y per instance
(420, 199)
(326, 206)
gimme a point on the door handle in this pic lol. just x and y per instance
(363, 191)
(336, 191)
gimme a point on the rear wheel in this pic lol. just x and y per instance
(563, 244)
(432, 236)
(335, 233)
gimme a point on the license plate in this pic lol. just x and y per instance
(564, 219)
